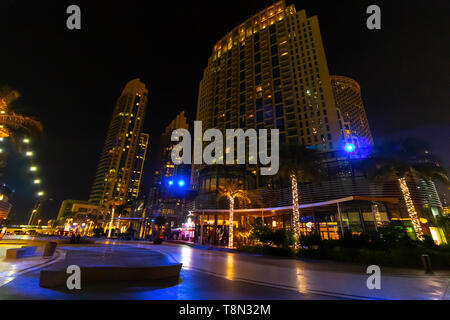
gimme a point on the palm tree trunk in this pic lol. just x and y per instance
(111, 223)
(410, 207)
(230, 235)
(295, 210)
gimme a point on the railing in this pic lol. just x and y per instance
(421, 192)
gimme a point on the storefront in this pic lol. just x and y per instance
(330, 219)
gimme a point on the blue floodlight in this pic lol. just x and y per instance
(349, 147)
(170, 182)
(181, 183)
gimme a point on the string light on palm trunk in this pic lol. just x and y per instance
(377, 215)
(295, 209)
(411, 210)
(231, 235)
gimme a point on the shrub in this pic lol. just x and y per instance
(310, 240)
(265, 235)
(269, 250)
(98, 232)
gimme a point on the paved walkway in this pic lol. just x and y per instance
(311, 276)
(11, 269)
(208, 274)
(191, 285)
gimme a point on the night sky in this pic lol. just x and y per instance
(70, 80)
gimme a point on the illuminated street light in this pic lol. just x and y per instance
(33, 168)
(26, 140)
(37, 181)
(349, 147)
(40, 193)
(29, 153)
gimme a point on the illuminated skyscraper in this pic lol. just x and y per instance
(171, 182)
(165, 168)
(5, 206)
(120, 168)
(347, 93)
(271, 72)
(136, 176)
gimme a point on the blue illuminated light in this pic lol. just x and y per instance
(170, 183)
(181, 183)
(350, 147)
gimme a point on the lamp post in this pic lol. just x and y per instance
(34, 212)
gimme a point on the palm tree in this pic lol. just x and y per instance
(11, 122)
(233, 191)
(299, 163)
(400, 160)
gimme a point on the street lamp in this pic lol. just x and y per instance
(349, 147)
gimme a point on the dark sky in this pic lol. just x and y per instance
(69, 80)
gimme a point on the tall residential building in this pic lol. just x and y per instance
(165, 167)
(171, 181)
(138, 168)
(120, 167)
(347, 93)
(5, 205)
(271, 72)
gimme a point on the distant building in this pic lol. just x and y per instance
(347, 93)
(171, 182)
(165, 168)
(120, 168)
(79, 210)
(138, 168)
(5, 206)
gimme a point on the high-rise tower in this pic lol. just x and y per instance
(165, 167)
(171, 182)
(271, 72)
(347, 93)
(120, 167)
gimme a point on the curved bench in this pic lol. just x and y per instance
(111, 264)
(57, 277)
(18, 253)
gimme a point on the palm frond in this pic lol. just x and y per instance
(14, 122)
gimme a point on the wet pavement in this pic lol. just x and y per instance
(10, 269)
(208, 274)
(325, 278)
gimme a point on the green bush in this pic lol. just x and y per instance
(269, 250)
(396, 255)
(98, 232)
(267, 236)
(391, 246)
(310, 240)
